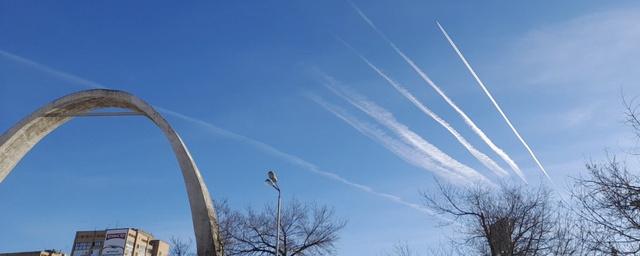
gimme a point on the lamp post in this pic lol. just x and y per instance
(272, 181)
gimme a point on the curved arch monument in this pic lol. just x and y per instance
(20, 138)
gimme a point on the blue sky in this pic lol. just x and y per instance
(254, 68)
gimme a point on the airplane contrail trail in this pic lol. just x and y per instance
(401, 149)
(46, 69)
(295, 160)
(308, 166)
(483, 158)
(428, 80)
(495, 104)
(385, 118)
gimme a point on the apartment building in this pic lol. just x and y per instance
(118, 242)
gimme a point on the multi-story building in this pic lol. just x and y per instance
(118, 242)
(88, 243)
(160, 248)
(35, 253)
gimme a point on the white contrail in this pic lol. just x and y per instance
(387, 119)
(48, 70)
(308, 166)
(426, 78)
(486, 91)
(483, 158)
(404, 151)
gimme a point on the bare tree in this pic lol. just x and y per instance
(450, 248)
(401, 249)
(181, 247)
(228, 222)
(608, 202)
(507, 220)
(306, 230)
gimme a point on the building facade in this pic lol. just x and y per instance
(118, 242)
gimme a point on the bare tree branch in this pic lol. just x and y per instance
(181, 247)
(609, 200)
(306, 230)
(509, 220)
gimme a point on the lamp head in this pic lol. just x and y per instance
(272, 176)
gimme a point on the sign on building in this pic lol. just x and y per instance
(114, 242)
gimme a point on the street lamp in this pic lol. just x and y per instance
(272, 181)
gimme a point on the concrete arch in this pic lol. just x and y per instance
(20, 138)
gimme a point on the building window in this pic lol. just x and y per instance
(82, 246)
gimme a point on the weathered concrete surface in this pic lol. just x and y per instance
(18, 140)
